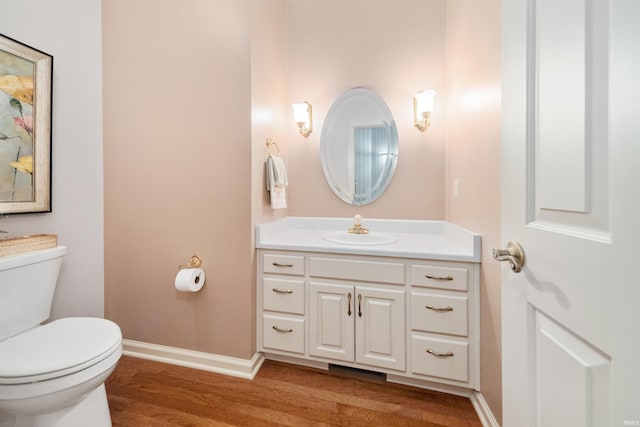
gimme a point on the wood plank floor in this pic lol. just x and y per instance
(145, 393)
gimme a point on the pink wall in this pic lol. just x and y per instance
(473, 158)
(177, 165)
(421, 44)
(268, 116)
(269, 105)
(394, 47)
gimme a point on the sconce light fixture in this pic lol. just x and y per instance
(422, 108)
(303, 117)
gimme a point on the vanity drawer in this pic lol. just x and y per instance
(283, 333)
(440, 357)
(283, 264)
(348, 269)
(446, 314)
(283, 295)
(432, 276)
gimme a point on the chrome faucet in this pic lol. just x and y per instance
(357, 226)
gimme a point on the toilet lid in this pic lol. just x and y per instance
(59, 348)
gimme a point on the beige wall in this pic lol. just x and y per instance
(394, 47)
(177, 156)
(473, 158)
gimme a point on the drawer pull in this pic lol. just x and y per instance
(277, 264)
(439, 309)
(435, 353)
(280, 291)
(359, 305)
(349, 304)
(429, 276)
(282, 330)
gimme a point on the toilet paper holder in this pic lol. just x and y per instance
(194, 262)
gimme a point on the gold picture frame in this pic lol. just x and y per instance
(25, 128)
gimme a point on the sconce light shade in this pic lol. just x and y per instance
(422, 108)
(303, 117)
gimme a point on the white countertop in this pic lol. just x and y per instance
(438, 240)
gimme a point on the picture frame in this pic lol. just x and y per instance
(25, 128)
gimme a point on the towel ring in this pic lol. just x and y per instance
(271, 142)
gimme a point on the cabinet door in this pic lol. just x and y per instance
(380, 327)
(331, 312)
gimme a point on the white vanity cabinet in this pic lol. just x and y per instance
(417, 320)
(359, 324)
(357, 310)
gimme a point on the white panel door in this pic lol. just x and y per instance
(571, 198)
(331, 313)
(380, 327)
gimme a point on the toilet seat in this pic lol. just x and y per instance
(60, 348)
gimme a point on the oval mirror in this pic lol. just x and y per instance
(359, 146)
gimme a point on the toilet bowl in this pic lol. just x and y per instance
(52, 375)
(47, 373)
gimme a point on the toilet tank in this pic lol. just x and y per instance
(27, 284)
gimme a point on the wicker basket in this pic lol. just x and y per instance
(18, 245)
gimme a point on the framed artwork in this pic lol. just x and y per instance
(25, 128)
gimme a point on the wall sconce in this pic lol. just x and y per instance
(303, 117)
(422, 108)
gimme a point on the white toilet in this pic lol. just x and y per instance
(50, 375)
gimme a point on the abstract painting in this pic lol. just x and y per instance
(25, 128)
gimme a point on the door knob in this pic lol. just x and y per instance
(514, 254)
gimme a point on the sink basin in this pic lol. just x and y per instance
(371, 239)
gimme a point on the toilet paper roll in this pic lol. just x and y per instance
(190, 280)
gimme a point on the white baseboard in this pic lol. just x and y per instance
(482, 409)
(241, 368)
(429, 385)
(297, 361)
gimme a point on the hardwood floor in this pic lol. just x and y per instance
(145, 393)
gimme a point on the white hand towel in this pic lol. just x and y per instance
(278, 198)
(270, 178)
(279, 171)
(276, 181)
